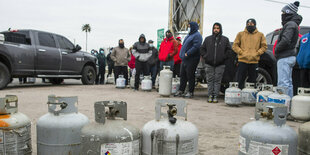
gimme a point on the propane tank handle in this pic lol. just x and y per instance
(116, 109)
(248, 85)
(120, 76)
(66, 104)
(267, 87)
(6, 106)
(166, 67)
(180, 105)
(303, 91)
(278, 113)
(281, 90)
(233, 84)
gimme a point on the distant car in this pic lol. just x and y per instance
(33, 53)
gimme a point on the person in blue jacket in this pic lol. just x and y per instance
(190, 55)
(303, 60)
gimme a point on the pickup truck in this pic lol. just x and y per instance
(33, 53)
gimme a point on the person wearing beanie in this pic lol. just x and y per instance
(168, 48)
(177, 60)
(249, 45)
(214, 52)
(102, 63)
(285, 50)
(121, 56)
(153, 61)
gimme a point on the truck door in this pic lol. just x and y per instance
(48, 56)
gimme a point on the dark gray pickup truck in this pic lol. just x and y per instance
(33, 53)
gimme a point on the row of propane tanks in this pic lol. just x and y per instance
(298, 107)
(165, 84)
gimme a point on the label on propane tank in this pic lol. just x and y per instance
(233, 95)
(184, 147)
(249, 97)
(258, 148)
(242, 144)
(14, 140)
(127, 148)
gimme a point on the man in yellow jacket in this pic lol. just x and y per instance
(249, 45)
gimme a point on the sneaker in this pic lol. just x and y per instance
(179, 94)
(189, 95)
(215, 99)
(210, 99)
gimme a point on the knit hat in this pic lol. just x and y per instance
(251, 20)
(291, 8)
(178, 38)
(150, 41)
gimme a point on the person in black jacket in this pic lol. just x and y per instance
(285, 50)
(110, 63)
(152, 62)
(102, 63)
(214, 51)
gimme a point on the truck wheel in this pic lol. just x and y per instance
(263, 77)
(88, 75)
(56, 81)
(5, 76)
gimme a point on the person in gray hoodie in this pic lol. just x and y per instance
(142, 52)
(285, 50)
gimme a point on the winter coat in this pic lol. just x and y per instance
(142, 50)
(176, 58)
(303, 57)
(288, 37)
(168, 48)
(109, 60)
(120, 56)
(131, 63)
(154, 58)
(191, 45)
(249, 46)
(101, 60)
(215, 49)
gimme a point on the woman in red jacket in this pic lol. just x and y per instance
(177, 59)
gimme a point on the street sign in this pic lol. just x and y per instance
(160, 37)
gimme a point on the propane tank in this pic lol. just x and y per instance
(120, 82)
(269, 134)
(279, 97)
(233, 94)
(110, 80)
(165, 81)
(146, 83)
(15, 128)
(262, 96)
(111, 136)
(248, 94)
(132, 82)
(175, 85)
(168, 135)
(300, 109)
(157, 83)
(59, 131)
(304, 139)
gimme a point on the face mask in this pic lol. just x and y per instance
(251, 29)
(169, 35)
(151, 45)
(102, 52)
(121, 45)
(189, 30)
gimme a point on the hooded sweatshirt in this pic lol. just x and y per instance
(303, 57)
(288, 37)
(141, 50)
(215, 48)
(191, 44)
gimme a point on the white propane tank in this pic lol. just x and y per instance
(120, 82)
(262, 96)
(132, 82)
(279, 97)
(248, 94)
(165, 81)
(167, 135)
(300, 109)
(157, 83)
(31, 80)
(146, 83)
(304, 139)
(175, 85)
(233, 94)
(110, 80)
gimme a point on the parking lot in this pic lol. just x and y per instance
(219, 125)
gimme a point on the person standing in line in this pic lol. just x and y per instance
(285, 50)
(152, 62)
(303, 60)
(121, 56)
(177, 59)
(110, 63)
(102, 63)
(190, 56)
(142, 52)
(249, 45)
(168, 48)
(131, 64)
(214, 51)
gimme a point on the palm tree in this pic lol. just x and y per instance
(86, 28)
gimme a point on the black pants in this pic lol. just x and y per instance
(141, 67)
(121, 70)
(100, 76)
(187, 74)
(110, 69)
(176, 70)
(305, 78)
(245, 70)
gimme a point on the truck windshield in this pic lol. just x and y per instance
(19, 37)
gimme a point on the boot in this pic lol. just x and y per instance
(215, 99)
(210, 99)
(189, 95)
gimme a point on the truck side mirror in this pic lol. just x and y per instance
(77, 48)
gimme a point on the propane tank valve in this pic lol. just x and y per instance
(172, 111)
(268, 114)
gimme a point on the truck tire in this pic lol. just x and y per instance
(5, 76)
(56, 81)
(88, 75)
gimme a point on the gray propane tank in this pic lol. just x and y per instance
(165, 82)
(146, 83)
(132, 82)
(111, 135)
(120, 82)
(279, 97)
(110, 80)
(269, 134)
(304, 139)
(262, 96)
(248, 94)
(15, 128)
(175, 85)
(233, 94)
(169, 136)
(300, 109)
(59, 131)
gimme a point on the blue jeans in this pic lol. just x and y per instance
(153, 71)
(167, 63)
(285, 68)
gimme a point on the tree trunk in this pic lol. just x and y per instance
(86, 41)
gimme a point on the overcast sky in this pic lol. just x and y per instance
(111, 20)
